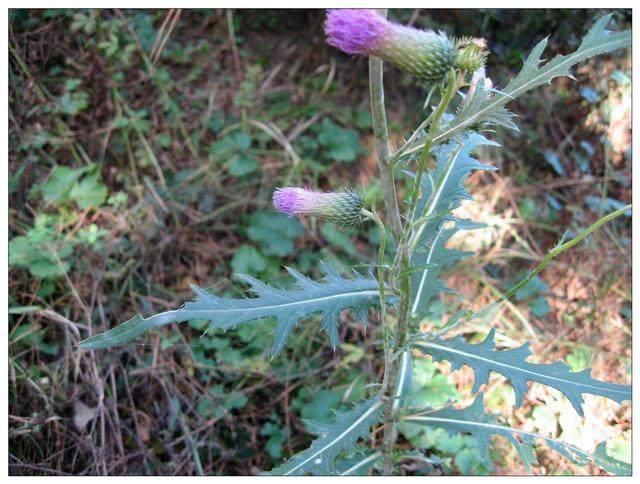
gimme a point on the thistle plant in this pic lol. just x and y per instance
(405, 281)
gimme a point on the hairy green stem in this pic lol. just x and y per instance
(381, 287)
(446, 99)
(400, 340)
(381, 133)
(379, 120)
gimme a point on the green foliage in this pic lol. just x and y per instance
(218, 402)
(429, 387)
(330, 297)
(276, 437)
(42, 250)
(247, 260)
(274, 232)
(533, 294)
(486, 106)
(460, 437)
(234, 150)
(484, 358)
(473, 420)
(442, 192)
(80, 185)
(332, 439)
(338, 143)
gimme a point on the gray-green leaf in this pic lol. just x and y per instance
(330, 296)
(484, 358)
(486, 107)
(332, 439)
(473, 420)
(442, 191)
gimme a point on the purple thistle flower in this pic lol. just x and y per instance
(356, 30)
(342, 207)
(424, 53)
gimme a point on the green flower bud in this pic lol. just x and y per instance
(471, 54)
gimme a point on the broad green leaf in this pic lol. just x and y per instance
(332, 439)
(429, 387)
(35, 250)
(90, 191)
(473, 420)
(484, 358)
(340, 144)
(337, 237)
(486, 106)
(277, 436)
(319, 409)
(242, 165)
(330, 296)
(247, 260)
(275, 232)
(82, 185)
(60, 182)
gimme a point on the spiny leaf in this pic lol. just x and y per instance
(484, 358)
(441, 192)
(332, 439)
(482, 426)
(405, 373)
(358, 465)
(487, 105)
(330, 296)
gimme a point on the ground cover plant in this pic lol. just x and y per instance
(382, 424)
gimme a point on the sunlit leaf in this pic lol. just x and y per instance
(473, 420)
(484, 358)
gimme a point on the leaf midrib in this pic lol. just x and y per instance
(498, 363)
(345, 432)
(568, 60)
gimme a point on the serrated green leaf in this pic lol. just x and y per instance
(358, 465)
(330, 296)
(473, 420)
(332, 439)
(441, 192)
(486, 106)
(609, 463)
(484, 358)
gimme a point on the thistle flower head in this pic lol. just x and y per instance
(342, 207)
(356, 30)
(426, 54)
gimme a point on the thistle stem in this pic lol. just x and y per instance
(379, 120)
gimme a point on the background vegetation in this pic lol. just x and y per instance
(144, 148)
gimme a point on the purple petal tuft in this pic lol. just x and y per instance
(293, 200)
(356, 30)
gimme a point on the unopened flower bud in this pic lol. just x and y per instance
(426, 54)
(471, 54)
(342, 207)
